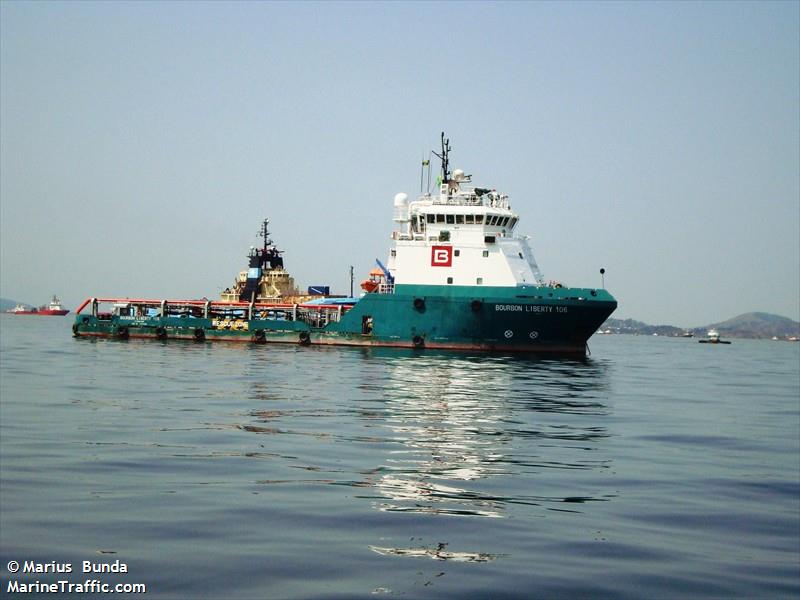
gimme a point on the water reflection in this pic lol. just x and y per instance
(438, 553)
(429, 434)
(466, 430)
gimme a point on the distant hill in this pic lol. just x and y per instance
(638, 328)
(757, 325)
(749, 325)
(6, 304)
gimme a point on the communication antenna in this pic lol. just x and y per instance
(351, 281)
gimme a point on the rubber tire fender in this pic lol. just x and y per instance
(418, 341)
(305, 338)
(199, 334)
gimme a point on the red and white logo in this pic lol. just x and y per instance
(441, 256)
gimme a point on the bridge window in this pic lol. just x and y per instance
(513, 222)
(449, 280)
(470, 219)
(479, 281)
(456, 252)
(478, 219)
(459, 219)
(431, 218)
(485, 254)
(450, 219)
(440, 218)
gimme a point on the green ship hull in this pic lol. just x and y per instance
(531, 319)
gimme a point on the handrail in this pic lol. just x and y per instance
(212, 304)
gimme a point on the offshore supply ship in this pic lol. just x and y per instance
(457, 277)
(53, 309)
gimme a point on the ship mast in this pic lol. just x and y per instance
(269, 257)
(264, 233)
(445, 158)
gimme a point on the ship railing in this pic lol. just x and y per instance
(316, 315)
(462, 195)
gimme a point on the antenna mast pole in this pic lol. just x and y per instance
(351, 281)
(444, 156)
(264, 233)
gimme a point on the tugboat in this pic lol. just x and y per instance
(458, 277)
(53, 309)
(265, 279)
(712, 337)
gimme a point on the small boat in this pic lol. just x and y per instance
(53, 309)
(712, 337)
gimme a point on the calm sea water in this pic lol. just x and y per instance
(658, 468)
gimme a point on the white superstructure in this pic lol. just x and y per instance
(55, 304)
(463, 235)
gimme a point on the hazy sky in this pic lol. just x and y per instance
(141, 144)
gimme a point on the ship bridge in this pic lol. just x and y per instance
(464, 235)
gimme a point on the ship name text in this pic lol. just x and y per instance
(534, 308)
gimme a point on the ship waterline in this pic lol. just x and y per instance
(531, 320)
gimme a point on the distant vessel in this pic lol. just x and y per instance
(53, 309)
(457, 277)
(712, 337)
